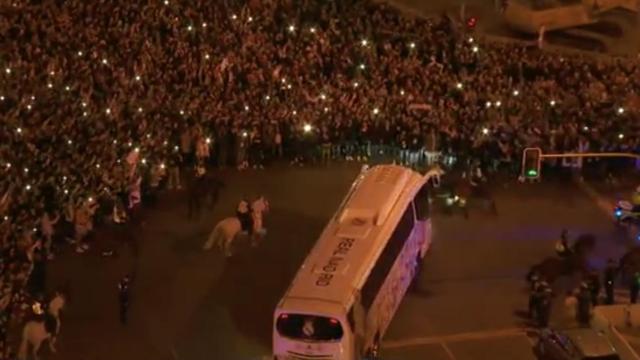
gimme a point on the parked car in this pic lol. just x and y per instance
(574, 344)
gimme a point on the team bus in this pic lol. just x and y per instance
(346, 292)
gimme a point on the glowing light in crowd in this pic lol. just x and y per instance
(620, 110)
(234, 17)
(6, 218)
(250, 19)
(402, 92)
(104, 61)
(108, 111)
(323, 96)
(97, 166)
(49, 85)
(355, 84)
(144, 161)
(326, 109)
(166, 2)
(267, 98)
(79, 53)
(67, 88)
(66, 191)
(620, 136)
(376, 111)
(485, 131)
(289, 86)
(175, 148)
(19, 130)
(362, 66)
(33, 98)
(294, 113)
(471, 40)
(552, 103)
(29, 107)
(7, 70)
(139, 109)
(313, 30)
(516, 92)
(138, 78)
(28, 187)
(189, 28)
(292, 28)
(137, 149)
(412, 45)
(459, 85)
(130, 144)
(204, 25)
(585, 128)
(245, 134)
(498, 103)
(306, 128)
(162, 166)
(181, 112)
(148, 136)
(69, 142)
(1, 97)
(364, 42)
(246, 108)
(475, 49)
(26, 170)
(84, 104)
(165, 143)
(206, 56)
(85, 114)
(488, 104)
(8, 165)
(208, 140)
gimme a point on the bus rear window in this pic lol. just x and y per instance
(309, 327)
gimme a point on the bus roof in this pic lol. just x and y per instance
(355, 236)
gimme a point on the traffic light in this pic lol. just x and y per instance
(531, 159)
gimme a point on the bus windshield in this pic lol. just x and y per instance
(309, 327)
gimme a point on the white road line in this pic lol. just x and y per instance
(480, 335)
(448, 351)
(600, 201)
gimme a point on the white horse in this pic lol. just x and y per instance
(35, 331)
(228, 229)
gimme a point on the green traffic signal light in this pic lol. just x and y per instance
(532, 173)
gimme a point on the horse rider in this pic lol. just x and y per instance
(243, 212)
(562, 246)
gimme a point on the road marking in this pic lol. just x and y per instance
(600, 201)
(479, 335)
(448, 351)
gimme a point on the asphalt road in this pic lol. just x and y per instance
(191, 305)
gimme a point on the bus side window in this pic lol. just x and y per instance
(421, 202)
(388, 257)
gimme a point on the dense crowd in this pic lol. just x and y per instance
(99, 101)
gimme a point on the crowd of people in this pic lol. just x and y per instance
(100, 103)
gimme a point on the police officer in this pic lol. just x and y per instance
(534, 298)
(544, 305)
(123, 298)
(634, 287)
(609, 278)
(594, 287)
(584, 305)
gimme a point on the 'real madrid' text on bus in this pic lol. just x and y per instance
(346, 292)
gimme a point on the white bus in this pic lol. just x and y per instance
(347, 290)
